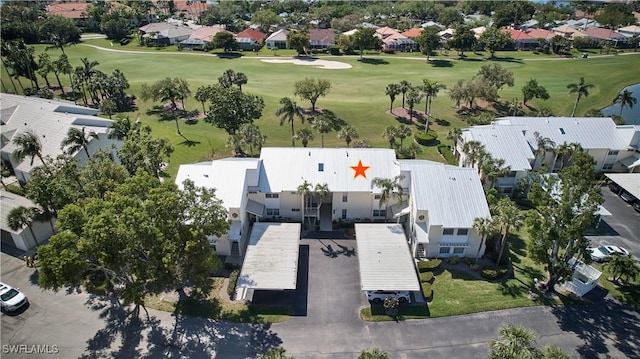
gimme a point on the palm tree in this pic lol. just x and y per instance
(236, 141)
(509, 217)
(582, 89)
(240, 79)
(390, 134)
(484, 227)
(392, 91)
(202, 95)
(454, 135)
(625, 98)
(304, 190)
(402, 132)
(28, 144)
(77, 140)
(413, 98)
(543, 144)
(120, 128)
(474, 150)
(288, 112)
(390, 187)
(324, 123)
(321, 191)
(21, 217)
(348, 133)
(492, 169)
(305, 135)
(514, 342)
(431, 90)
(404, 87)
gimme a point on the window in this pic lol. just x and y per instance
(345, 197)
(506, 190)
(295, 209)
(272, 195)
(444, 250)
(344, 214)
(273, 211)
(463, 231)
(447, 232)
(379, 212)
(512, 174)
(376, 196)
(320, 167)
(607, 166)
(612, 153)
(458, 250)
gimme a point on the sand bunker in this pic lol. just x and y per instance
(321, 64)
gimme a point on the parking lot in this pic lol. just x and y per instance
(622, 228)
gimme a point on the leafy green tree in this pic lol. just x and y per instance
(230, 108)
(29, 145)
(581, 89)
(168, 89)
(559, 44)
(509, 217)
(265, 19)
(60, 31)
(390, 188)
(493, 40)
(496, 76)
(625, 99)
(287, 113)
(513, 13)
(623, 267)
(392, 91)
(21, 217)
(45, 67)
(532, 90)
(145, 152)
(463, 39)
(348, 134)
(304, 135)
(365, 39)
(456, 92)
(275, 353)
(616, 15)
(429, 41)
(77, 140)
(225, 41)
(299, 40)
(311, 89)
(100, 175)
(116, 24)
(373, 353)
(565, 207)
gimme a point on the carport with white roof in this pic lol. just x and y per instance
(384, 257)
(271, 260)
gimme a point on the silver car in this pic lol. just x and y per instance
(11, 299)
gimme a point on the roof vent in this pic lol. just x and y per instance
(562, 131)
(206, 175)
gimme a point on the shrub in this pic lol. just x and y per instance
(233, 280)
(426, 139)
(426, 276)
(468, 260)
(391, 302)
(389, 51)
(427, 266)
(445, 151)
(474, 266)
(492, 273)
(334, 50)
(427, 292)
(454, 260)
(15, 189)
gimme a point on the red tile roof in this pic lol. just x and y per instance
(518, 35)
(600, 33)
(70, 10)
(413, 33)
(322, 35)
(252, 34)
(206, 33)
(541, 34)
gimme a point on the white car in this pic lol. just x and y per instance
(603, 253)
(378, 296)
(11, 299)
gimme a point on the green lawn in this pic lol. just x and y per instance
(625, 291)
(357, 94)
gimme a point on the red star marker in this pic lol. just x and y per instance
(360, 170)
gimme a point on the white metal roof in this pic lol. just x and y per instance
(8, 202)
(285, 168)
(630, 182)
(503, 142)
(228, 176)
(384, 257)
(452, 195)
(49, 119)
(590, 132)
(271, 260)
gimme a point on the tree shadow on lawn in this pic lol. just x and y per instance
(605, 320)
(505, 59)
(126, 335)
(370, 61)
(189, 143)
(441, 63)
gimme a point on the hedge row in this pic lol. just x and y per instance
(426, 266)
(493, 273)
(233, 280)
(425, 139)
(426, 276)
(427, 292)
(445, 151)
